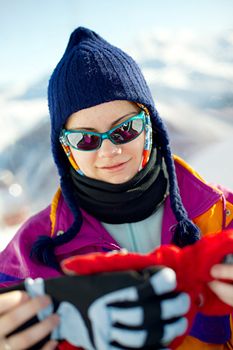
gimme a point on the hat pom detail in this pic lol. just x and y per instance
(43, 250)
(185, 232)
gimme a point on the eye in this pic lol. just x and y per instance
(74, 138)
(126, 126)
(87, 138)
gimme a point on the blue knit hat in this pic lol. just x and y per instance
(92, 72)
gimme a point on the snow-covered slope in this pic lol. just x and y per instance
(215, 163)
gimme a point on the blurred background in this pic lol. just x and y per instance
(185, 49)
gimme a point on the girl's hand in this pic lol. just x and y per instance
(15, 309)
(223, 290)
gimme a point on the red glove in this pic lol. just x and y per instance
(64, 345)
(192, 265)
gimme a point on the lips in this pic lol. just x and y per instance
(113, 166)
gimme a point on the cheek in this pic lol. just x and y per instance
(84, 160)
(137, 146)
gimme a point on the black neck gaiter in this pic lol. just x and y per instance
(132, 201)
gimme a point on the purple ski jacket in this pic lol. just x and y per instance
(210, 207)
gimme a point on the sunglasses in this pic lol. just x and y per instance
(125, 132)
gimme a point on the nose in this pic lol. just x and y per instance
(109, 149)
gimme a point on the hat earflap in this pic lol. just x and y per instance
(185, 232)
(43, 248)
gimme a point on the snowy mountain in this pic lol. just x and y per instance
(20, 112)
(191, 82)
(188, 65)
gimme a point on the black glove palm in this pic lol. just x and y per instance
(121, 310)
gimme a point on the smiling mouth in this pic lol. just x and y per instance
(114, 167)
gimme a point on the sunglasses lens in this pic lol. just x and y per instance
(84, 142)
(127, 132)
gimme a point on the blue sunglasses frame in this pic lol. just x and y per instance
(102, 136)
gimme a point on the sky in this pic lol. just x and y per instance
(34, 34)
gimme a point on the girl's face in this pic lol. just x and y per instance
(111, 163)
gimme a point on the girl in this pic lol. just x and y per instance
(120, 186)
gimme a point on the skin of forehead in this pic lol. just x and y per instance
(106, 115)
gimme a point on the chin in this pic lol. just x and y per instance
(116, 180)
